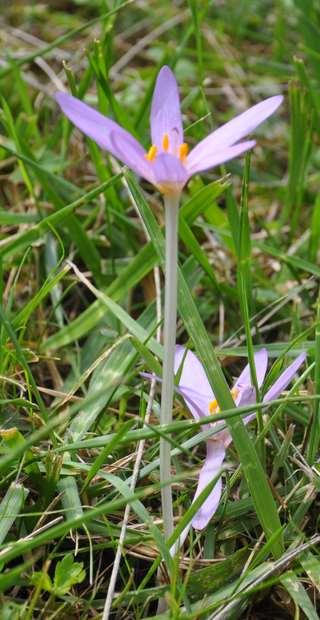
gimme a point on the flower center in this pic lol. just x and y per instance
(213, 405)
(181, 152)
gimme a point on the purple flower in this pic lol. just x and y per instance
(167, 164)
(199, 397)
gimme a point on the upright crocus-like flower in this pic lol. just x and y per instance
(200, 400)
(167, 164)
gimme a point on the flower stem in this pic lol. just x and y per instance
(171, 204)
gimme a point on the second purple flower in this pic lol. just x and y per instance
(200, 400)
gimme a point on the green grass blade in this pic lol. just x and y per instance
(70, 498)
(245, 280)
(314, 437)
(10, 507)
(315, 232)
(296, 590)
(300, 148)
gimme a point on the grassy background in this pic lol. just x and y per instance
(80, 293)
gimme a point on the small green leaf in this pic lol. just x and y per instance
(67, 574)
(42, 581)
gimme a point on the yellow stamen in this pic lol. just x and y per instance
(165, 142)
(183, 151)
(152, 153)
(235, 392)
(213, 405)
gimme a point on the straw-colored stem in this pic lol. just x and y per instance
(169, 340)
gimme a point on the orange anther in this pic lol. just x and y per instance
(183, 151)
(152, 153)
(213, 406)
(235, 392)
(165, 142)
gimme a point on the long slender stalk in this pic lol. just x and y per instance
(171, 204)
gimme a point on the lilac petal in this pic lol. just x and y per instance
(246, 396)
(132, 156)
(260, 362)
(206, 159)
(210, 469)
(165, 111)
(194, 378)
(169, 173)
(100, 128)
(280, 384)
(234, 130)
(285, 378)
(192, 398)
(196, 403)
(150, 376)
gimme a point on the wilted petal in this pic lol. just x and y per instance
(206, 159)
(210, 469)
(285, 378)
(234, 130)
(194, 381)
(165, 111)
(96, 126)
(169, 173)
(260, 362)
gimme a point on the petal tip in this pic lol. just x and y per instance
(179, 347)
(165, 70)
(166, 77)
(263, 353)
(302, 357)
(199, 523)
(250, 144)
(275, 102)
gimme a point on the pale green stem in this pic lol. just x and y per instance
(171, 204)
